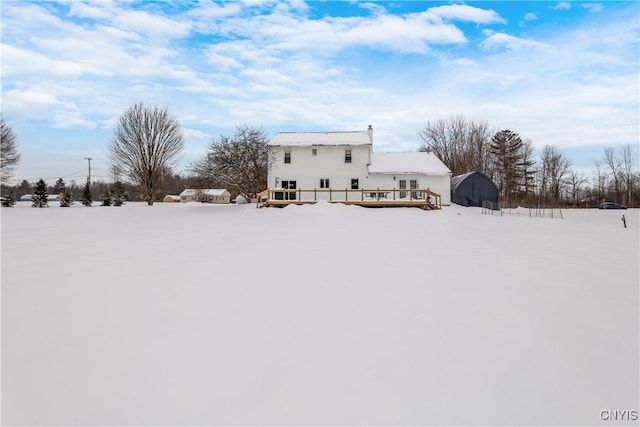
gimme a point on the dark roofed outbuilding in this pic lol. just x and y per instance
(473, 188)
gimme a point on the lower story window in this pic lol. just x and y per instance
(324, 182)
(355, 184)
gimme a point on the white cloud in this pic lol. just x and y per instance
(151, 25)
(502, 40)
(374, 8)
(85, 10)
(194, 133)
(592, 7)
(563, 5)
(530, 16)
(466, 13)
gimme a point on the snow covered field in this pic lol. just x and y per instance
(191, 314)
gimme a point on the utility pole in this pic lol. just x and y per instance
(89, 159)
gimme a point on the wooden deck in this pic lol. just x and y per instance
(373, 198)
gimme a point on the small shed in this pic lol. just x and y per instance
(474, 188)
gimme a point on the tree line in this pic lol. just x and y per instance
(524, 178)
(147, 140)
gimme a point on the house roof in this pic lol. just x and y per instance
(305, 139)
(207, 191)
(406, 163)
(216, 192)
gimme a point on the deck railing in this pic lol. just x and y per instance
(364, 196)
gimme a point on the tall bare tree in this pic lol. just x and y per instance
(461, 144)
(601, 179)
(576, 181)
(240, 162)
(146, 143)
(627, 171)
(614, 165)
(9, 156)
(555, 166)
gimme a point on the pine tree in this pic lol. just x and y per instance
(507, 146)
(66, 200)
(39, 198)
(87, 196)
(59, 187)
(117, 194)
(107, 199)
(9, 200)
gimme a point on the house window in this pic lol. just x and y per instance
(347, 156)
(324, 182)
(314, 151)
(354, 184)
(287, 156)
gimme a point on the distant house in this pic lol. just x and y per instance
(474, 189)
(210, 195)
(215, 195)
(345, 160)
(171, 199)
(189, 195)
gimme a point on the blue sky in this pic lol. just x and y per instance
(559, 73)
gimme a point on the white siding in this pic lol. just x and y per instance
(329, 162)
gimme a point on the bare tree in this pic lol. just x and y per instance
(554, 168)
(461, 144)
(614, 164)
(9, 156)
(240, 162)
(576, 181)
(626, 169)
(145, 145)
(601, 179)
(528, 172)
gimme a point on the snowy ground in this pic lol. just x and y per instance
(199, 314)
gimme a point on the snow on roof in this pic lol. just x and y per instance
(207, 191)
(399, 163)
(320, 138)
(215, 192)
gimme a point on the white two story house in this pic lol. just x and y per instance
(345, 160)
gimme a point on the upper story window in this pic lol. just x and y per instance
(314, 151)
(287, 156)
(347, 156)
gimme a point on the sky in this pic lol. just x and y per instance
(558, 73)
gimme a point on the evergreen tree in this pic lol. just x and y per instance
(117, 194)
(507, 147)
(87, 196)
(9, 200)
(66, 200)
(107, 199)
(60, 187)
(39, 198)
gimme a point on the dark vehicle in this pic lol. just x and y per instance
(611, 205)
